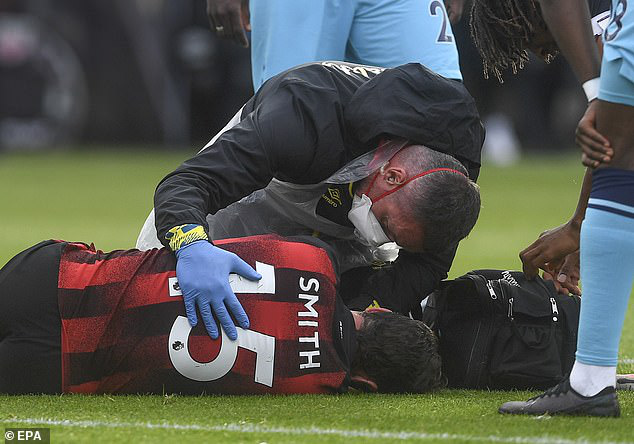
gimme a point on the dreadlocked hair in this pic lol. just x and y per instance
(501, 29)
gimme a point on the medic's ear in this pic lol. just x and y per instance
(394, 175)
(363, 384)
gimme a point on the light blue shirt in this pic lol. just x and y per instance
(386, 33)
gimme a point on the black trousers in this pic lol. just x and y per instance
(30, 325)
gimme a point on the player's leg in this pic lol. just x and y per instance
(607, 240)
(30, 327)
(393, 32)
(607, 263)
(292, 32)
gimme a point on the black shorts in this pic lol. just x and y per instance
(30, 325)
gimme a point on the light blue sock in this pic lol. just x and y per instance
(607, 271)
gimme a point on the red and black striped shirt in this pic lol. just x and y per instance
(124, 328)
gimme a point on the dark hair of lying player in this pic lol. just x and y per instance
(505, 30)
(395, 354)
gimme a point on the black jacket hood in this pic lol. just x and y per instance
(413, 102)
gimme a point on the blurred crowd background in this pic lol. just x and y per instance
(151, 72)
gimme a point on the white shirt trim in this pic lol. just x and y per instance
(600, 22)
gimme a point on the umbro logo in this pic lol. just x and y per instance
(333, 197)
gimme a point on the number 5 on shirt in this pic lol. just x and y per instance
(262, 345)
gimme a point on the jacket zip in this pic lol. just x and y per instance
(491, 291)
(553, 306)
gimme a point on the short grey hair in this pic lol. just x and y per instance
(445, 202)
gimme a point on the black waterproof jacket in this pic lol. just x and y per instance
(306, 123)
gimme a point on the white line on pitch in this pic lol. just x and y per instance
(626, 361)
(303, 431)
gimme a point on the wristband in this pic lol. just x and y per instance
(182, 235)
(591, 88)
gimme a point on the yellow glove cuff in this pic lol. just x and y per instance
(182, 235)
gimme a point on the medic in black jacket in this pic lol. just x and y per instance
(316, 144)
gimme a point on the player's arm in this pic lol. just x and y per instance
(551, 250)
(276, 138)
(421, 274)
(595, 149)
(556, 250)
(230, 19)
(402, 286)
(569, 23)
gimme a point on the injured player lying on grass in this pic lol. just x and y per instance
(77, 320)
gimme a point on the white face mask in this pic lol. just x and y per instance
(369, 231)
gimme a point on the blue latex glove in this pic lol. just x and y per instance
(203, 276)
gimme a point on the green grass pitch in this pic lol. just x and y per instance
(104, 197)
